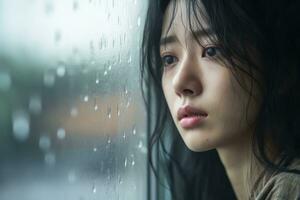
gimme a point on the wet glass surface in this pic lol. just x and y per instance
(72, 120)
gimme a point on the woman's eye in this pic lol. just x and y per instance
(168, 60)
(210, 51)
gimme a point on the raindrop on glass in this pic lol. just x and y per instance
(128, 103)
(5, 81)
(120, 179)
(125, 90)
(35, 104)
(140, 144)
(134, 131)
(96, 107)
(44, 143)
(95, 149)
(50, 159)
(139, 21)
(61, 133)
(125, 162)
(74, 112)
(109, 112)
(97, 81)
(129, 59)
(132, 161)
(21, 125)
(105, 73)
(108, 141)
(119, 58)
(49, 79)
(61, 70)
(109, 67)
(94, 189)
(118, 111)
(124, 135)
(86, 98)
(71, 176)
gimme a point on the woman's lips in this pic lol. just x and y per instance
(191, 121)
(189, 116)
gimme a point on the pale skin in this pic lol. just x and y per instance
(192, 77)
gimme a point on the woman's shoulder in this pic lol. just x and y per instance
(282, 186)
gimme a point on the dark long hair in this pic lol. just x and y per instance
(253, 36)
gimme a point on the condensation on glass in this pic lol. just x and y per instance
(72, 122)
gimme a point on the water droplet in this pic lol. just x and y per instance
(74, 112)
(5, 81)
(35, 104)
(133, 163)
(125, 90)
(97, 81)
(105, 73)
(44, 142)
(49, 79)
(119, 20)
(109, 67)
(118, 111)
(72, 176)
(109, 112)
(96, 107)
(108, 141)
(119, 58)
(61, 70)
(21, 125)
(134, 131)
(125, 162)
(129, 59)
(124, 135)
(128, 103)
(94, 189)
(120, 179)
(50, 159)
(139, 21)
(93, 62)
(95, 149)
(86, 98)
(61, 133)
(140, 144)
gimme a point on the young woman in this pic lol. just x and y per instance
(223, 78)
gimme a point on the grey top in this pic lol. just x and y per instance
(280, 186)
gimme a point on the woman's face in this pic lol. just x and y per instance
(192, 78)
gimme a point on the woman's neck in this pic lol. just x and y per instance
(236, 158)
(242, 167)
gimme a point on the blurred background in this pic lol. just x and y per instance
(72, 120)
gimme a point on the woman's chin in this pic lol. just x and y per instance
(198, 144)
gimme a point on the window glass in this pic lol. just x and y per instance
(72, 120)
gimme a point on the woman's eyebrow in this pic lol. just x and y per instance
(172, 38)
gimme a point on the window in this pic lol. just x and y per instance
(72, 118)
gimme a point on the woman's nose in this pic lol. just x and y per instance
(187, 80)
